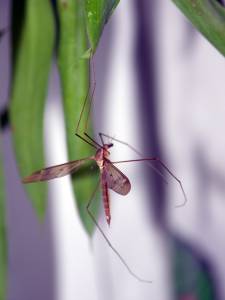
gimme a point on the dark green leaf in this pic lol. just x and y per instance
(97, 14)
(191, 273)
(3, 241)
(74, 75)
(208, 16)
(33, 40)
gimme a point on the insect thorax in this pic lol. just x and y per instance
(101, 154)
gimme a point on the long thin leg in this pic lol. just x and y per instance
(85, 140)
(93, 90)
(92, 139)
(156, 159)
(85, 103)
(108, 241)
(93, 143)
(91, 101)
(152, 159)
(101, 138)
(136, 151)
(81, 114)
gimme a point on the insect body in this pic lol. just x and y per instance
(110, 176)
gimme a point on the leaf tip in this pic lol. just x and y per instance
(87, 54)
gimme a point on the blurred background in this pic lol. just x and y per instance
(160, 88)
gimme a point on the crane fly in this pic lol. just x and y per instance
(110, 176)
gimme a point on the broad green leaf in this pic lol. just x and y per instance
(3, 240)
(208, 16)
(33, 40)
(97, 14)
(74, 76)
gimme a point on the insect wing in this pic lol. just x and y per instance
(115, 179)
(54, 172)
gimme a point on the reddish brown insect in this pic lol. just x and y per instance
(110, 176)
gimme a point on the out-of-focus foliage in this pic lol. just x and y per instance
(192, 278)
(33, 29)
(74, 75)
(33, 32)
(33, 36)
(208, 16)
(97, 15)
(3, 241)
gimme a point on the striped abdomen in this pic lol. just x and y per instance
(106, 202)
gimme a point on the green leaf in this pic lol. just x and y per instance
(204, 286)
(208, 16)
(33, 40)
(3, 240)
(97, 14)
(74, 76)
(191, 273)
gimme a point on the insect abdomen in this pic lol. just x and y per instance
(106, 202)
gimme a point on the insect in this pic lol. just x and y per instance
(110, 176)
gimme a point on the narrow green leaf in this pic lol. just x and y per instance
(97, 15)
(33, 40)
(208, 16)
(3, 240)
(74, 75)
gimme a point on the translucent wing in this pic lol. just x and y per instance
(115, 179)
(54, 172)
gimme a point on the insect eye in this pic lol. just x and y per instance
(110, 145)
